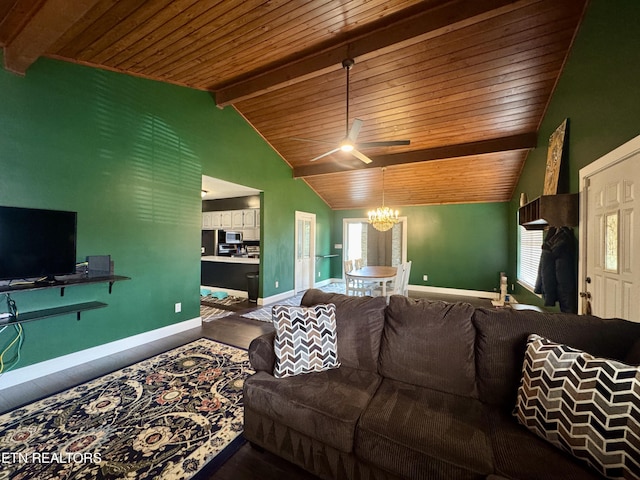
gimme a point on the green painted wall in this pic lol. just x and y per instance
(457, 246)
(120, 152)
(127, 154)
(238, 154)
(599, 92)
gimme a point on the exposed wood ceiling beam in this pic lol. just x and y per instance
(45, 27)
(525, 141)
(427, 21)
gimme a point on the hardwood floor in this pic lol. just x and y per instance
(246, 464)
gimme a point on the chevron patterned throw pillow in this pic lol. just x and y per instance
(585, 405)
(305, 340)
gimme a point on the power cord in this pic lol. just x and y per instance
(11, 306)
(19, 338)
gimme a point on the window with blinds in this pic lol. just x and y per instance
(529, 250)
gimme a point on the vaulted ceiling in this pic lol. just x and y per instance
(466, 81)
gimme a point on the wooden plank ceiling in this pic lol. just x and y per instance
(466, 82)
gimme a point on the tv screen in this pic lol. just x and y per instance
(36, 243)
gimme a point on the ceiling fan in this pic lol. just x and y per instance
(349, 144)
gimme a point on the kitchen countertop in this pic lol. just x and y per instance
(217, 258)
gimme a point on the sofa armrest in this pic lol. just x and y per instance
(261, 353)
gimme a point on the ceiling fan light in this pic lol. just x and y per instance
(346, 147)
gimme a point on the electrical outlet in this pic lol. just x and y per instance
(277, 283)
(178, 307)
(318, 274)
(425, 277)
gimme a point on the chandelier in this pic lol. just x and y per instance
(383, 218)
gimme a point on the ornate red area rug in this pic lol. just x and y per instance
(167, 417)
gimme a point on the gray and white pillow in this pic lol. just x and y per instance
(585, 405)
(306, 339)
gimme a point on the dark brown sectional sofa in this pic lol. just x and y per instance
(425, 390)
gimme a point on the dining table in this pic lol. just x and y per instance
(374, 273)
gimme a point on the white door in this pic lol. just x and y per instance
(610, 234)
(305, 250)
(360, 242)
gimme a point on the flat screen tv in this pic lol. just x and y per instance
(36, 244)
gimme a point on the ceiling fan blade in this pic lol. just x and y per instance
(355, 130)
(325, 154)
(309, 140)
(388, 143)
(360, 156)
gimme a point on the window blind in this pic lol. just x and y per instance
(529, 250)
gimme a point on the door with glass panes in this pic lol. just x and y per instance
(610, 240)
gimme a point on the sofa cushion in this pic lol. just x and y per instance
(305, 339)
(430, 344)
(587, 406)
(359, 322)
(423, 433)
(261, 354)
(502, 339)
(520, 454)
(633, 356)
(324, 405)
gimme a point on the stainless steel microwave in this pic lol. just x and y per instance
(233, 237)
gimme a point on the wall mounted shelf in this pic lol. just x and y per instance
(55, 311)
(64, 282)
(330, 255)
(70, 281)
(559, 210)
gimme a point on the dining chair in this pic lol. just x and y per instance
(400, 284)
(354, 286)
(348, 266)
(393, 287)
(350, 284)
(405, 278)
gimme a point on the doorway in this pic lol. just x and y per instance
(609, 269)
(305, 251)
(362, 241)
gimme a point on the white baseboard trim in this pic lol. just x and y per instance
(418, 288)
(323, 283)
(290, 293)
(442, 290)
(454, 291)
(276, 298)
(42, 369)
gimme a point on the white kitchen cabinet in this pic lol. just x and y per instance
(249, 218)
(207, 223)
(251, 234)
(225, 219)
(216, 220)
(237, 218)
